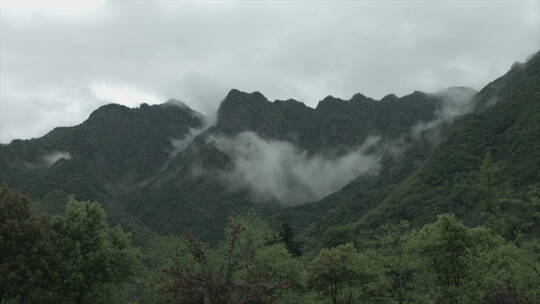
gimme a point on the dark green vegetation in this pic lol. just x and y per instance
(125, 158)
(112, 154)
(452, 215)
(505, 125)
(78, 258)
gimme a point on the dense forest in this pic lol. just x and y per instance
(79, 258)
(424, 203)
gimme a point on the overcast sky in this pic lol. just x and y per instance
(61, 60)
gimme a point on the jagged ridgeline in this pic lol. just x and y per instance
(427, 180)
(358, 162)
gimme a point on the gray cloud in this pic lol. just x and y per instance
(59, 62)
(278, 170)
(179, 145)
(53, 157)
(456, 101)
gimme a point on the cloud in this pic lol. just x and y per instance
(181, 144)
(123, 95)
(278, 170)
(32, 111)
(53, 157)
(196, 52)
(456, 101)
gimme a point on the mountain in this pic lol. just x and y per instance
(505, 124)
(153, 172)
(192, 194)
(116, 150)
(333, 122)
(158, 169)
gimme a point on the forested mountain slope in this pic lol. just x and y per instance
(113, 152)
(193, 193)
(149, 169)
(334, 122)
(505, 127)
(153, 171)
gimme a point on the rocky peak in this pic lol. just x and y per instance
(389, 98)
(241, 111)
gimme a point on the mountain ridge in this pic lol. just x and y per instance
(126, 157)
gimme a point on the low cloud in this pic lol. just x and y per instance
(53, 157)
(278, 170)
(181, 144)
(456, 102)
(492, 101)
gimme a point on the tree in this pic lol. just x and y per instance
(98, 256)
(491, 194)
(449, 252)
(344, 275)
(487, 185)
(31, 267)
(246, 268)
(522, 215)
(388, 244)
(286, 235)
(509, 274)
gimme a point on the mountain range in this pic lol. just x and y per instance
(329, 171)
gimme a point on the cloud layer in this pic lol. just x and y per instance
(278, 170)
(59, 61)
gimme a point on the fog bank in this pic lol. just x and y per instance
(278, 170)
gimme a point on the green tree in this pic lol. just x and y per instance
(286, 235)
(344, 275)
(487, 185)
(448, 252)
(99, 257)
(388, 246)
(248, 267)
(522, 216)
(31, 264)
(509, 274)
(491, 193)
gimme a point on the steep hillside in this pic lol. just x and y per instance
(333, 123)
(505, 124)
(193, 192)
(116, 150)
(152, 171)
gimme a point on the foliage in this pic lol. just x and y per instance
(77, 258)
(246, 268)
(467, 265)
(488, 188)
(345, 275)
(32, 267)
(98, 255)
(388, 244)
(286, 235)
